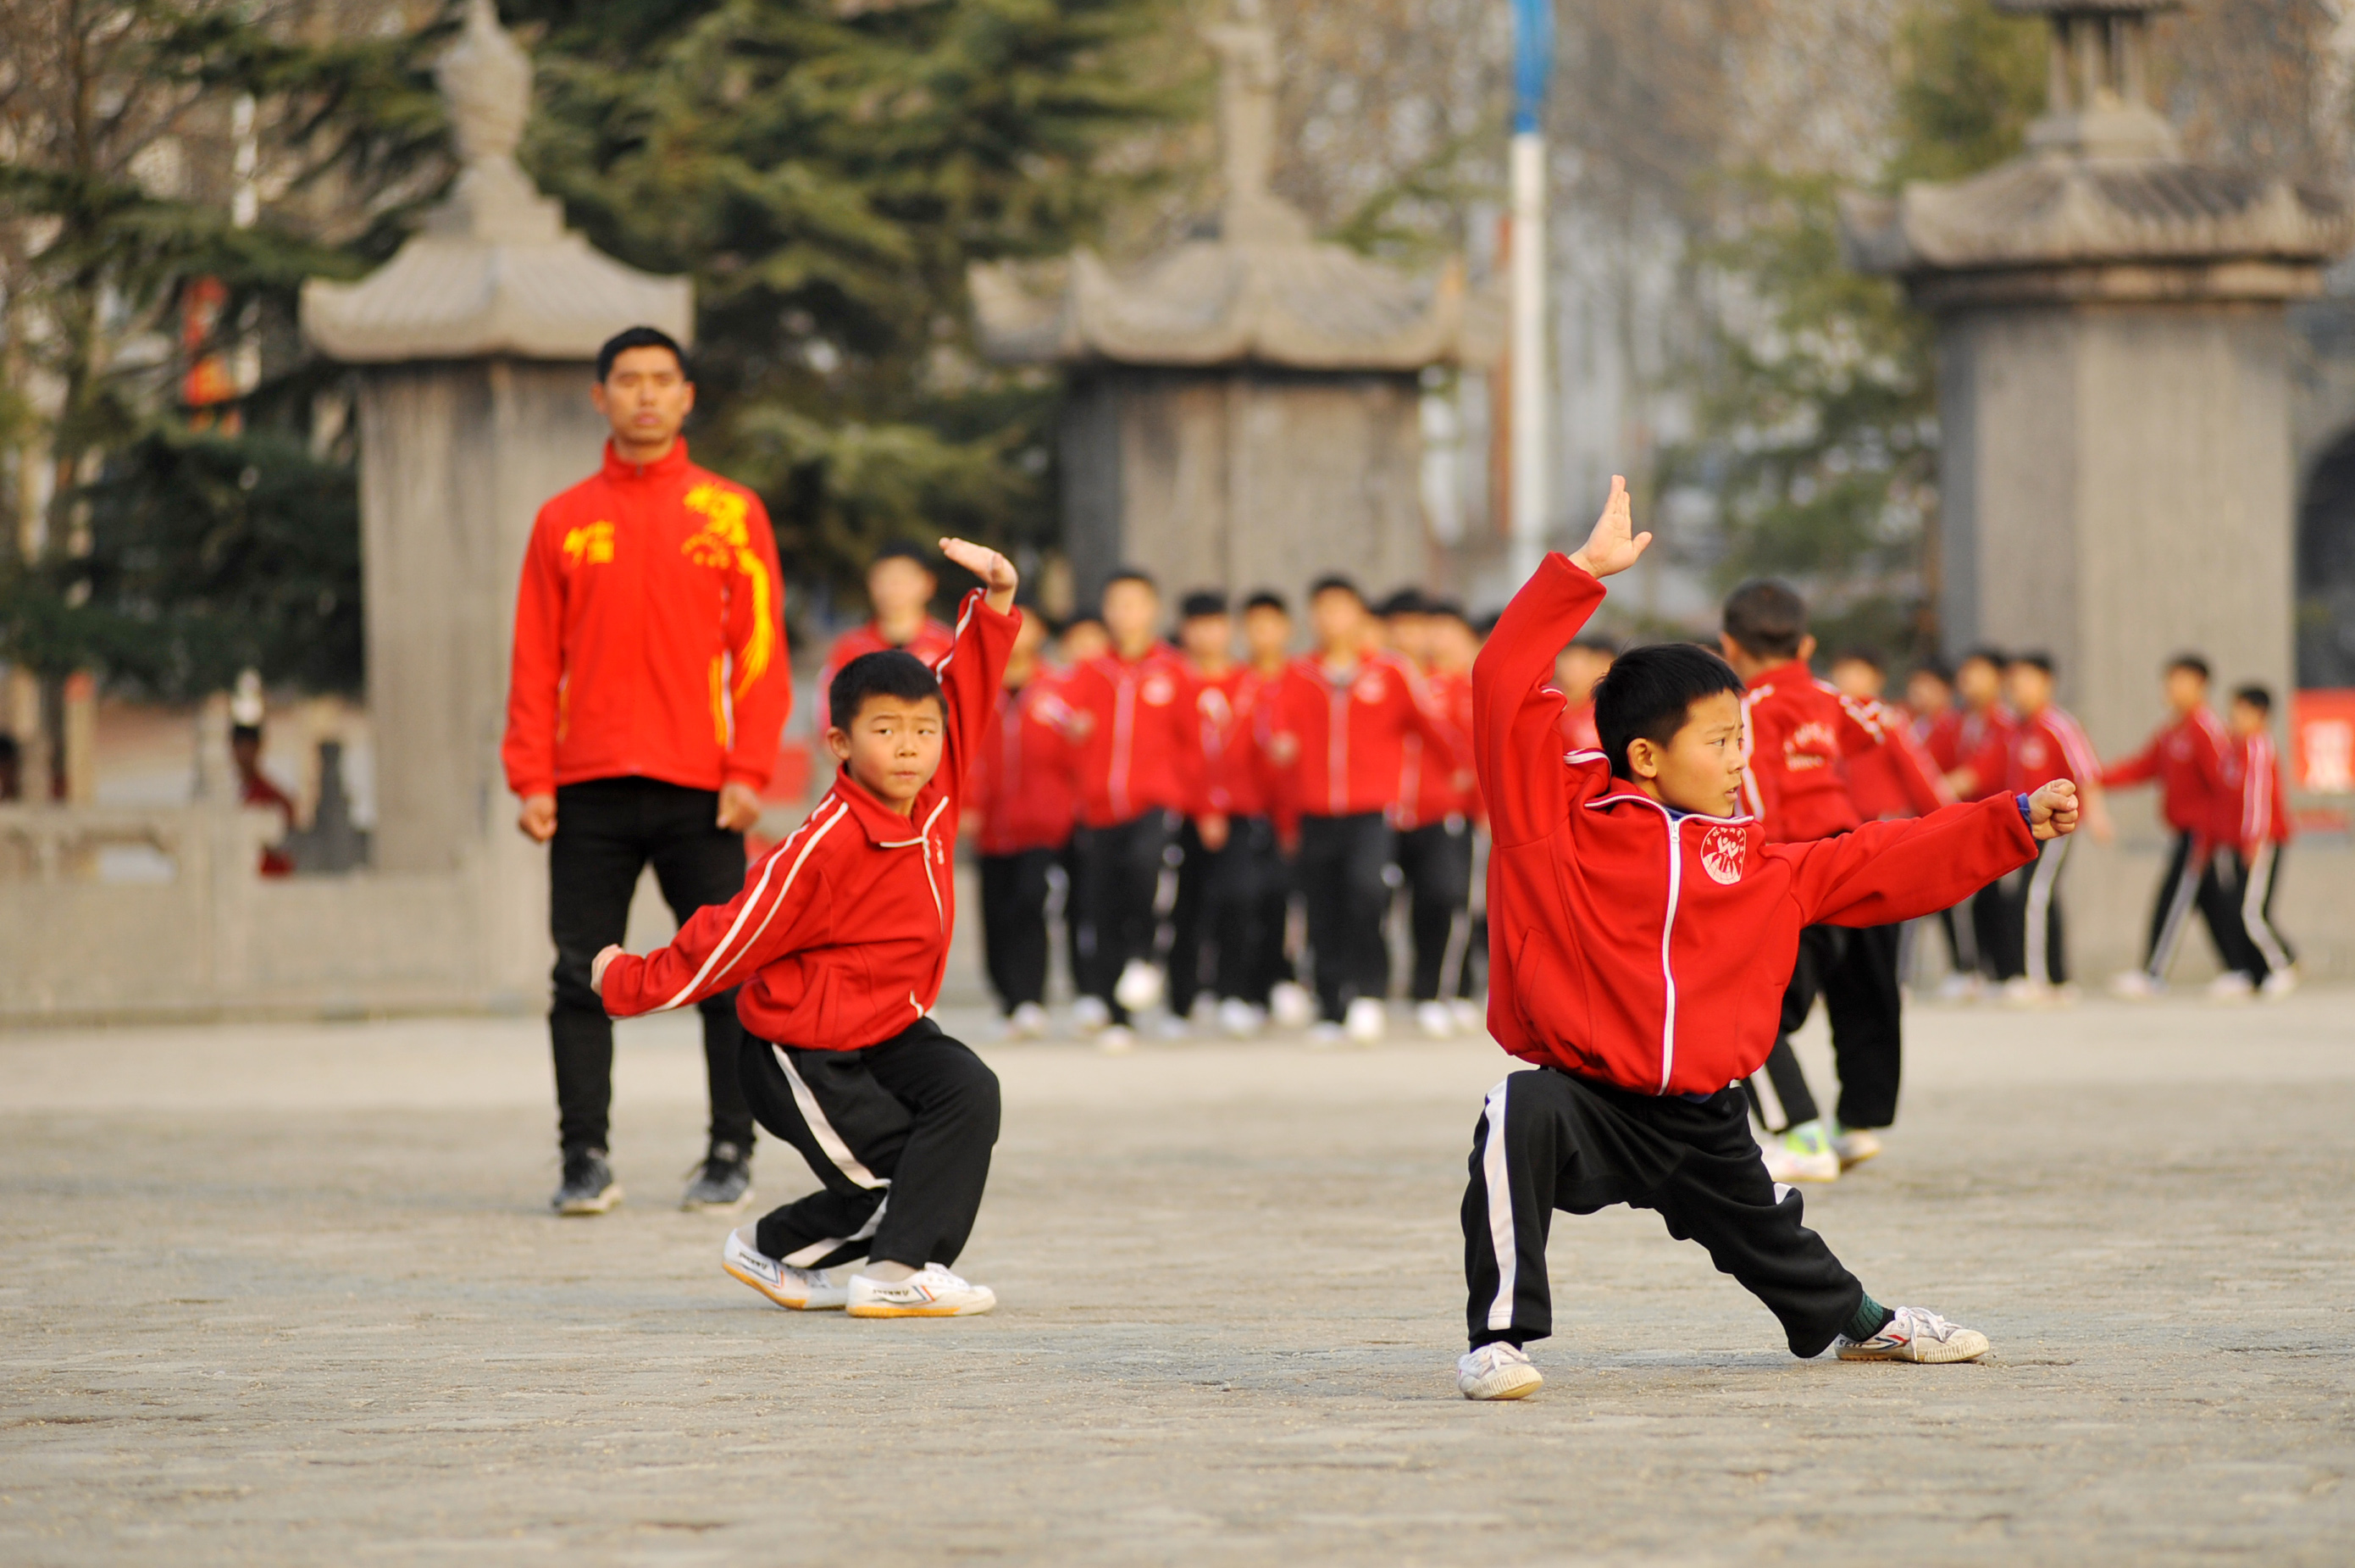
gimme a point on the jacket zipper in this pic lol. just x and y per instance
(1668, 936)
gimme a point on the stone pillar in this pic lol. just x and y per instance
(476, 343)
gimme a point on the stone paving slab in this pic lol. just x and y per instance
(288, 1294)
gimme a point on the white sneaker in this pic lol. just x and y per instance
(2232, 985)
(1497, 1372)
(1291, 1005)
(1324, 1033)
(1801, 1154)
(931, 1292)
(1854, 1146)
(2135, 985)
(1117, 1039)
(1365, 1021)
(2280, 983)
(1026, 1021)
(1090, 1014)
(802, 1289)
(1140, 987)
(1170, 1026)
(1958, 988)
(1471, 1017)
(1239, 1018)
(1916, 1334)
(2024, 992)
(1437, 1019)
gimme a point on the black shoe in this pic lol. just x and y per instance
(589, 1186)
(724, 1180)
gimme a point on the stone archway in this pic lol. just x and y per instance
(2326, 569)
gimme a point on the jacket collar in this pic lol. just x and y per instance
(671, 464)
(1791, 672)
(885, 828)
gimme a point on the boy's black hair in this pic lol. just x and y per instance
(2256, 697)
(1765, 619)
(1868, 658)
(1648, 694)
(1405, 602)
(1267, 598)
(901, 550)
(632, 337)
(2191, 662)
(1201, 602)
(1333, 583)
(1936, 670)
(1445, 610)
(1487, 625)
(2035, 659)
(1083, 618)
(1985, 653)
(1132, 574)
(887, 672)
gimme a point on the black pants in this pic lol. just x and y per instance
(2249, 880)
(1014, 893)
(1547, 1141)
(606, 832)
(1227, 926)
(1340, 872)
(1962, 938)
(2033, 939)
(1119, 894)
(899, 1134)
(1990, 921)
(2192, 882)
(1192, 951)
(1436, 861)
(1855, 972)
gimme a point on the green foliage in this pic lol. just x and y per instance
(827, 173)
(1817, 409)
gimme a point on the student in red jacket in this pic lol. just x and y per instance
(839, 940)
(2251, 825)
(1023, 797)
(1937, 725)
(1341, 717)
(1140, 766)
(1642, 929)
(2186, 757)
(901, 586)
(1805, 735)
(1434, 821)
(649, 684)
(2047, 743)
(1269, 986)
(1453, 645)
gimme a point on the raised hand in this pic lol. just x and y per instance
(2052, 810)
(998, 578)
(1614, 546)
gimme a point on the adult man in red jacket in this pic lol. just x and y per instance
(649, 683)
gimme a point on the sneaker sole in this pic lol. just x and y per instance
(873, 1311)
(1936, 1356)
(1518, 1391)
(785, 1301)
(601, 1204)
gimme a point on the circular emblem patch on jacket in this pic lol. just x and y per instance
(1370, 687)
(1158, 691)
(1722, 850)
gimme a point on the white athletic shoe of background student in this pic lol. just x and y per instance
(1238, 1019)
(2280, 984)
(1026, 1021)
(1437, 1019)
(2232, 985)
(1365, 1021)
(2135, 985)
(1090, 1014)
(1291, 1006)
(1470, 1016)
(1140, 987)
(932, 1291)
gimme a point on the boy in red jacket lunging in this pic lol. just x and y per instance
(839, 941)
(1641, 930)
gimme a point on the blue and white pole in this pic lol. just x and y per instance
(1532, 65)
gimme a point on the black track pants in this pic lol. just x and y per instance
(1120, 886)
(899, 1134)
(2249, 880)
(2036, 940)
(1340, 873)
(2194, 880)
(606, 832)
(1436, 861)
(1014, 890)
(1855, 972)
(1192, 950)
(1547, 1141)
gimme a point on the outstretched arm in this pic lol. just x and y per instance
(972, 671)
(1888, 871)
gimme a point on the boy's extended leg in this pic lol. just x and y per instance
(851, 1131)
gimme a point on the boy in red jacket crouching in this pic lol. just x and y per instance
(1641, 931)
(839, 940)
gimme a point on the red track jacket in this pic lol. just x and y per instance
(1649, 949)
(932, 641)
(650, 633)
(1433, 788)
(2253, 810)
(1234, 768)
(2047, 746)
(1800, 730)
(1886, 782)
(1024, 792)
(2186, 758)
(841, 934)
(1338, 745)
(1983, 748)
(1141, 744)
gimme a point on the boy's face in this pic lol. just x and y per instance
(1208, 639)
(2248, 719)
(1131, 611)
(1267, 632)
(1029, 638)
(1411, 635)
(1857, 678)
(1085, 640)
(1453, 645)
(2030, 689)
(1338, 618)
(899, 588)
(893, 747)
(1980, 682)
(1700, 769)
(2185, 689)
(1927, 695)
(1576, 669)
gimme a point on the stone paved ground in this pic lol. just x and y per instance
(287, 1295)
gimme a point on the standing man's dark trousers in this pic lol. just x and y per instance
(899, 1133)
(1120, 884)
(1547, 1141)
(1014, 890)
(1436, 861)
(2192, 882)
(607, 831)
(1340, 873)
(1855, 972)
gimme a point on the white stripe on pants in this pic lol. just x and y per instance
(2259, 886)
(2036, 912)
(2178, 911)
(1500, 1211)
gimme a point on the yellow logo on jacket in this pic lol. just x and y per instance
(592, 544)
(725, 543)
